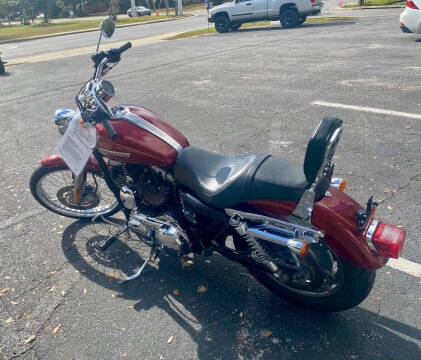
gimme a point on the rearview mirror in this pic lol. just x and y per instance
(107, 28)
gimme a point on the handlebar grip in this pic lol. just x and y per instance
(125, 47)
(109, 128)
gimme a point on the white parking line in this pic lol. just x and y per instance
(406, 266)
(368, 109)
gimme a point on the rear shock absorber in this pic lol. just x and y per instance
(258, 253)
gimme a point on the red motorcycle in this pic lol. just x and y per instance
(291, 226)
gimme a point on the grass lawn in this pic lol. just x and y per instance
(21, 31)
(252, 24)
(376, 3)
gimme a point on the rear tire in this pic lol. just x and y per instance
(355, 288)
(289, 18)
(222, 24)
(351, 284)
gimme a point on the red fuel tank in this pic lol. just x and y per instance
(143, 138)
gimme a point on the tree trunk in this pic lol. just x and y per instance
(46, 12)
(362, 2)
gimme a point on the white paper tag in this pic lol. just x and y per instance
(76, 145)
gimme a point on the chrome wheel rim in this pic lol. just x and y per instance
(320, 274)
(54, 188)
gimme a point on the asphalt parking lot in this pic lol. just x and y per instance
(256, 90)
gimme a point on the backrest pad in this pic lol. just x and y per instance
(317, 146)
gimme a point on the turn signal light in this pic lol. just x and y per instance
(411, 5)
(338, 183)
(388, 240)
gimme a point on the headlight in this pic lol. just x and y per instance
(62, 118)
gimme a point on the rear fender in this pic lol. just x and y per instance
(53, 161)
(335, 215)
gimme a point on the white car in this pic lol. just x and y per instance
(141, 10)
(411, 17)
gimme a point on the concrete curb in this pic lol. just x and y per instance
(372, 7)
(84, 31)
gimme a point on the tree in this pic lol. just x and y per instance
(10, 7)
(113, 7)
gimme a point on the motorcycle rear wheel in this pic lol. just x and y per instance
(350, 287)
(52, 187)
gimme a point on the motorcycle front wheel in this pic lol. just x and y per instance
(323, 281)
(53, 188)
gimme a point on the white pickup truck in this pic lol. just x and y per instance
(291, 13)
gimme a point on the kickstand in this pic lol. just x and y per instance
(153, 254)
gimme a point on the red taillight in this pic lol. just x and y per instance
(388, 240)
(411, 5)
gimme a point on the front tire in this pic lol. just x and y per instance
(302, 20)
(289, 18)
(52, 188)
(222, 24)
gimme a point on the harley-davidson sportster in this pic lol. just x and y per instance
(291, 226)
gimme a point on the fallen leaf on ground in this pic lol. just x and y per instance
(380, 299)
(6, 278)
(116, 327)
(9, 320)
(387, 191)
(276, 340)
(268, 333)
(390, 207)
(4, 291)
(241, 314)
(187, 263)
(408, 126)
(267, 130)
(176, 292)
(170, 339)
(85, 291)
(124, 355)
(113, 276)
(57, 328)
(30, 339)
(131, 307)
(13, 302)
(202, 289)
(349, 172)
(53, 288)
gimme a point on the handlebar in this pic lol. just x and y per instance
(113, 55)
(125, 47)
(109, 128)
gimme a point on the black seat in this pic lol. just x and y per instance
(223, 181)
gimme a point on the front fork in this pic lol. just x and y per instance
(77, 185)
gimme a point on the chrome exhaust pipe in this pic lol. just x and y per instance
(283, 237)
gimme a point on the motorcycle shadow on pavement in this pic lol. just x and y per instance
(226, 312)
